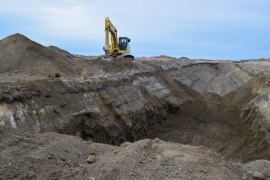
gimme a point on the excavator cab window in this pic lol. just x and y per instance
(123, 42)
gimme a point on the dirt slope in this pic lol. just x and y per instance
(217, 77)
(18, 54)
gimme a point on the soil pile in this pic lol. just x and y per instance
(123, 63)
(55, 156)
(20, 55)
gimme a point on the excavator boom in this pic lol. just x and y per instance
(110, 30)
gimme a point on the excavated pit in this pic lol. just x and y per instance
(231, 124)
(237, 131)
(113, 111)
(223, 106)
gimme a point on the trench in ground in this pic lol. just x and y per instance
(232, 129)
(216, 126)
(231, 125)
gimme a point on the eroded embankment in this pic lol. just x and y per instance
(170, 104)
(103, 110)
(233, 125)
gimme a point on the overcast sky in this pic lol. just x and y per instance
(211, 29)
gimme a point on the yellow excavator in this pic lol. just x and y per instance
(113, 46)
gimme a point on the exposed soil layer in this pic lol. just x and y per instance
(232, 125)
(211, 116)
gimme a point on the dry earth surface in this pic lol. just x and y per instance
(65, 116)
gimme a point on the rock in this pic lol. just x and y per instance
(91, 159)
(50, 156)
(258, 176)
(92, 178)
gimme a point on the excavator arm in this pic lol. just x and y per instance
(111, 40)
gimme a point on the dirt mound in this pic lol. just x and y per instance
(60, 51)
(18, 54)
(123, 62)
(55, 156)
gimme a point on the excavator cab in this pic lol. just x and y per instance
(123, 43)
